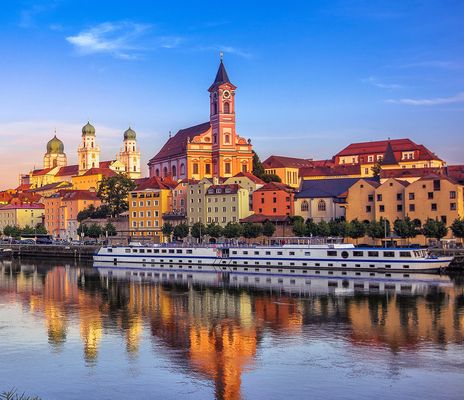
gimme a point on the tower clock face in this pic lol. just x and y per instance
(226, 94)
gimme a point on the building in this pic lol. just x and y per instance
(247, 181)
(209, 149)
(21, 215)
(91, 179)
(62, 208)
(361, 200)
(323, 199)
(389, 200)
(147, 204)
(274, 199)
(129, 155)
(88, 153)
(55, 155)
(286, 168)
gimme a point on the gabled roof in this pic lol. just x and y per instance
(69, 170)
(286, 162)
(455, 172)
(316, 188)
(331, 170)
(177, 144)
(409, 172)
(23, 187)
(223, 189)
(106, 172)
(39, 172)
(389, 156)
(106, 164)
(70, 195)
(434, 177)
(275, 186)
(250, 176)
(152, 183)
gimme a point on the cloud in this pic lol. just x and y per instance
(225, 49)
(119, 39)
(458, 98)
(28, 16)
(375, 82)
(440, 64)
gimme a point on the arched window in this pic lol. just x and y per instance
(226, 138)
(215, 107)
(165, 172)
(135, 168)
(321, 205)
(226, 108)
(157, 172)
(182, 169)
(304, 206)
(174, 171)
(133, 148)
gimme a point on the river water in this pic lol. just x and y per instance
(75, 332)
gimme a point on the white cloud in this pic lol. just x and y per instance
(458, 98)
(440, 64)
(119, 39)
(382, 85)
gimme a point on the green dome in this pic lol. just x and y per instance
(88, 130)
(55, 146)
(129, 134)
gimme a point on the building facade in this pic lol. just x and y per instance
(274, 199)
(21, 215)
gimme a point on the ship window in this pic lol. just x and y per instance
(280, 269)
(128, 251)
(307, 253)
(234, 268)
(331, 273)
(268, 253)
(330, 265)
(388, 266)
(257, 263)
(268, 263)
(372, 266)
(234, 252)
(256, 252)
(279, 253)
(279, 263)
(142, 251)
(149, 250)
(343, 265)
(163, 251)
(156, 251)
(292, 253)
(134, 250)
(256, 269)
(171, 251)
(389, 254)
(405, 266)
(318, 265)
(189, 251)
(359, 273)
(373, 253)
(292, 263)
(268, 269)
(358, 253)
(345, 254)
(318, 272)
(245, 269)
(292, 271)
(245, 262)
(405, 254)
(304, 265)
(110, 250)
(245, 252)
(179, 251)
(357, 265)
(331, 253)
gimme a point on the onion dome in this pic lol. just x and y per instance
(88, 130)
(129, 134)
(55, 146)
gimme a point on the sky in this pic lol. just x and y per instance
(312, 76)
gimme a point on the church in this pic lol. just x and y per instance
(56, 169)
(210, 149)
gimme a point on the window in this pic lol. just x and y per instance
(443, 219)
(331, 253)
(227, 168)
(321, 205)
(436, 185)
(357, 253)
(430, 195)
(368, 209)
(182, 169)
(453, 206)
(434, 206)
(174, 171)
(370, 197)
(389, 254)
(195, 168)
(452, 194)
(382, 208)
(373, 253)
(399, 196)
(412, 207)
(208, 168)
(379, 197)
(411, 196)
(405, 254)
(399, 207)
(226, 108)
(304, 206)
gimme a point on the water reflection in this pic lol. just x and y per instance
(212, 326)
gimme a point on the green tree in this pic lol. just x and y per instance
(251, 231)
(310, 228)
(299, 228)
(270, 178)
(232, 230)
(28, 230)
(94, 231)
(111, 229)
(323, 229)
(114, 191)
(85, 213)
(12, 231)
(434, 229)
(181, 231)
(356, 229)
(405, 228)
(457, 227)
(376, 169)
(83, 230)
(198, 230)
(40, 229)
(258, 168)
(214, 230)
(167, 230)
(378, 229)
(268, 229)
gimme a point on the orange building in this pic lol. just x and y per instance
(274, 199)
(209, 149)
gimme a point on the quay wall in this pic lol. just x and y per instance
(52, 251)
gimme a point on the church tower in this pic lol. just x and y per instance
(222, 119)
(130, 154)
(55, 156)
(88, 153)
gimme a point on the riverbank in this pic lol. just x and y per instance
(78, 252)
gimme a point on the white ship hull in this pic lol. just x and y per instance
(287, 259)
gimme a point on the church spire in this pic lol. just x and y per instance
(221, 76)
(389, 156)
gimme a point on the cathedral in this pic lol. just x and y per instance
(56, 169)
(210, 149)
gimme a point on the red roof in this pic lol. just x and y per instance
(33, 206)
(177, 144)
(38, 172)
(70, 195)
(106, 172)
(409, 172)
(456, 172)
(332, 170)
(5, 197)
(69, 170)
(23, 187)
(152, 183)
(286, 162)
(106, 164)
(275, 186)
(251, 177)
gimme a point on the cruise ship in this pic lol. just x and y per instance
(290, 258)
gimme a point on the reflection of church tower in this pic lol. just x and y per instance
(55, 156)
(130, 155)
(88, 154)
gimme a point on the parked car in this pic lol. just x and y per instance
(27, 241)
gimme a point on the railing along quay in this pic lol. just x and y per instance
(84, 252)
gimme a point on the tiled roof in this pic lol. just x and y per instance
(5, 197)
(152, 183)
(23, 187)
(332, 170)
(316, 188)
(51, 186)
(275, 186)
(433, 177)
(223, 189)
(79, 195)
(260, 218)
(456, 172)
(106, 172)
(250, 176)
(33, 206)
(221, 77)
(39, 172)
(69, 170)
(409, 172)
(177, 144)
(105, 164)
(389, 156)
(286, 162)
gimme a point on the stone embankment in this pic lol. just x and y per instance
(77, 252)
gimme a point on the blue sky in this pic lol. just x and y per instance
(312, 76)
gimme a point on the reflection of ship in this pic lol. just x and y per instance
(315, 282)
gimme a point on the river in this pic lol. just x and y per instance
(75, 332)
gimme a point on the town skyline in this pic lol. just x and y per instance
(135, 71)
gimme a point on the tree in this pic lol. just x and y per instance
(378, 229)
(258, 170)
(376, 169)
(457, 227)
(12, 231)
(323, 229)
(40, 229)
(214, 230)
(270, 178)
(251, 231)
(92, 212)
(198, 230)
(356, 229)
(110, 229)
(83, 230)
(268, 229)
(114, 191)
(299, 228)
(311, 228)
(28, 230)
(405, 228)
(434, 229)
(94, 231)
(180, 231)
(167, 230)
(85, 213)
(232, 230)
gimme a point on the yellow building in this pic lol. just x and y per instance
(21, 215)
(361, 201)
(389, 200)
(247, 181)
(90, 180)
(286, 168)
(147, 204)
